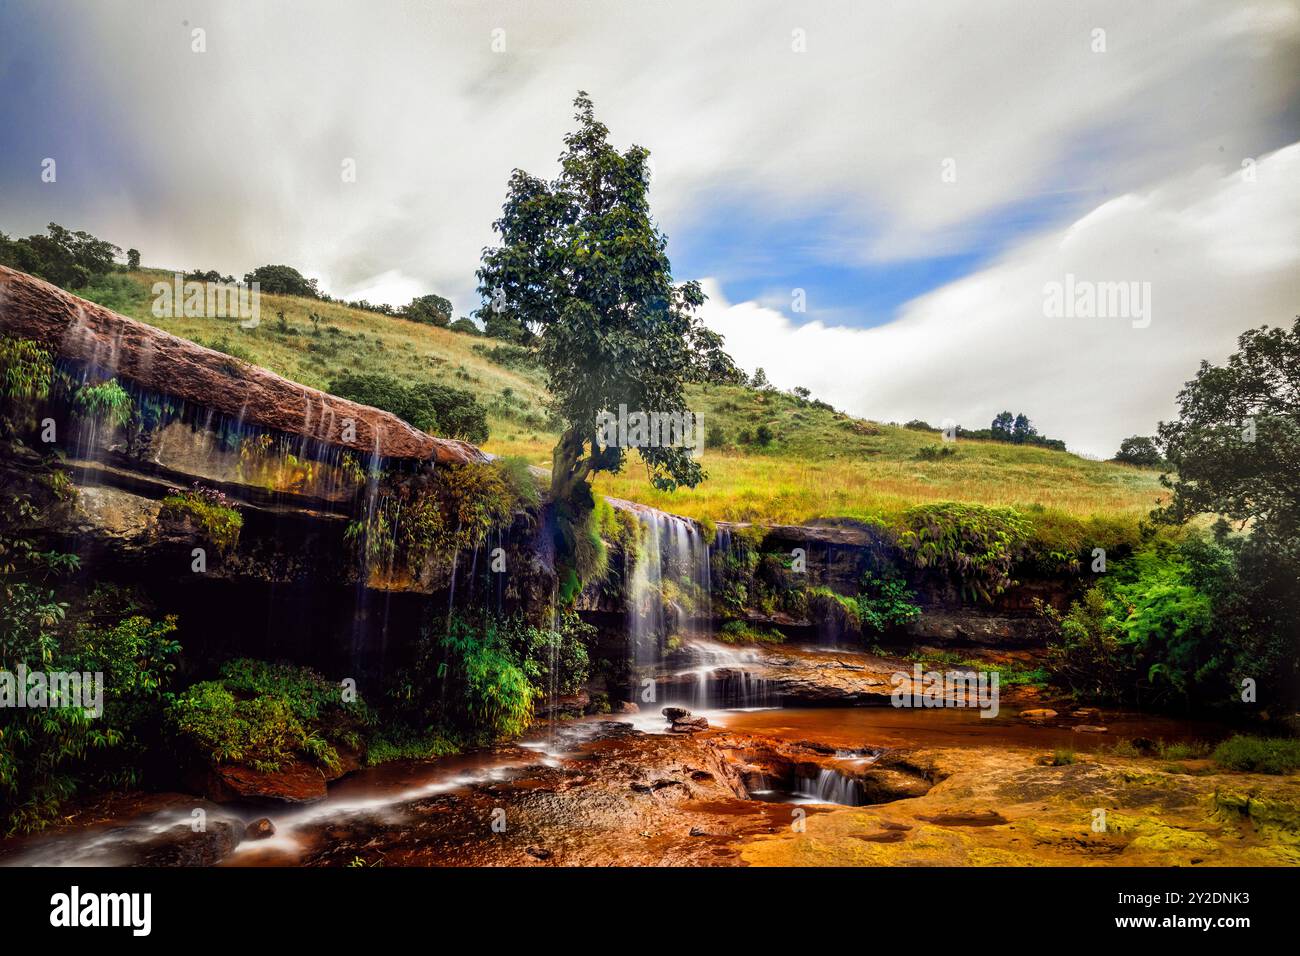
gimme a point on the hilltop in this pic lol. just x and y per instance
(770, 456)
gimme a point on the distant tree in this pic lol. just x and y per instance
(133, 259)
(1002, 426)
(283, 280)
(1139, 450)
(1023, 430)
(710, 363)
(917, 425)
(759, 381)
(437, 409)
(466, 326)
(430, 310)
(63, 257)
(801, 392)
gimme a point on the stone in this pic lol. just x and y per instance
(81, 331)
(297, 782)
(1039, 715)
(675, 713)
(689, 725)
(1090, 729)
(260, 829)
(625, 707)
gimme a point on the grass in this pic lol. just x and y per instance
(819, 463)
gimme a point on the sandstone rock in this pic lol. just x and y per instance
(1090, 729)
(79, 330)
(675, 713)
(1039, 715)
(689, 725)
(625, 707)
(297, 782)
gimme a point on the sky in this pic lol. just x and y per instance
(876, 195)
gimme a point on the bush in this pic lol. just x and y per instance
(1259, 754)
(886, 603)
(266, 715)
(282, 280)
(436, 409)
(742, 632)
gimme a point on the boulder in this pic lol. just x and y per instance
(81, 331)
(260, 829)
(1041, 715)
(296, 782)
(1090, 729)
(675, 713)
(689, 725)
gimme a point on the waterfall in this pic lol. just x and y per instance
(831, 786)
(667, 585)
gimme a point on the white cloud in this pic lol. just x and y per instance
(1222, 254)
(237, 150)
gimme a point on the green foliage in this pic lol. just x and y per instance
(65, 258)
(429, 309)
(481, 672)
(26, 370)
(742, 632)
(282, 280)
(1233, 448)
(211, 512)
(106, 402)
(975, 545)
(48, 753)
(465, 326)
(266, 715)
(437, 409)
(886, 603)
(1181, 624)
(1063, 758)
(1141, 451)
(1277, 755)
(582, 265)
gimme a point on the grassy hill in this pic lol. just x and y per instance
(817, 463)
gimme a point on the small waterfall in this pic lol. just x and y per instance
(724, 679)
(831, 786)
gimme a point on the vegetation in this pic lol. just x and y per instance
(63, 257)
(438, 409)
(582, 268)
(267, 715)
(213, 514)
(1259, 754)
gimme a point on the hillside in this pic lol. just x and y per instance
(817, 463)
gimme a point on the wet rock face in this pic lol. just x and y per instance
(294, 783)
(78, 330)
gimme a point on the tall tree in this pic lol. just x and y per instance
(582, 266)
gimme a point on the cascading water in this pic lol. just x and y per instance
(831, 786)
(670, 613)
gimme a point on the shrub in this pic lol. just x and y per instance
(107, 402)
(436, 409)
(1259, 754)
(266, 715)
(886, 603)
